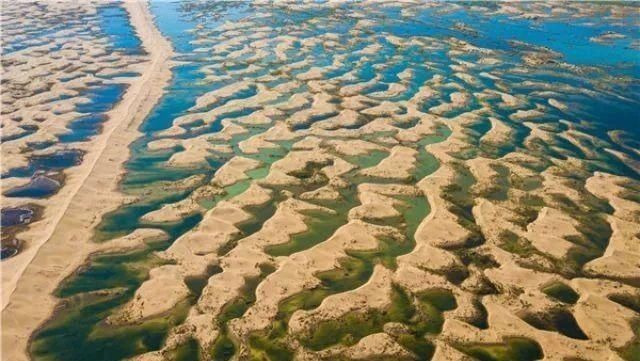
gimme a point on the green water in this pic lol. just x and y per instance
(631, 351)
(321, 225)
(187, 351)
(560, 320)
(224, 347)
(561, 292)
(421, 313)
(91, 295)
(426, 162)
(79, 331)
(356, 269)
(512, 349)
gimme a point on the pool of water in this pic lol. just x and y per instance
(101, 98)
(15, 216)
(44, 163)
(114, 21)
(78, 333)
(38, 187)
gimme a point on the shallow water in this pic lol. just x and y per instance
(114, 21)
(51, 162)
(38, 187)
(79, 331)
(101, 98)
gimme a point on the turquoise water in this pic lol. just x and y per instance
(79, 332)
(145, 169)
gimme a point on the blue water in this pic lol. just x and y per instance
(38, 187)
(102, 97)
(83, 128)
(71, 337)
(50, 162)
(114, 21)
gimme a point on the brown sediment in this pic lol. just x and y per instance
(91, 191)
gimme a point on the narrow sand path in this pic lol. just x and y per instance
(27, 299)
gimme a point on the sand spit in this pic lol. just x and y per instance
(65, 241)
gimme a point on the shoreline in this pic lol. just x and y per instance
(27, 300)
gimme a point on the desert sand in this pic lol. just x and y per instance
(61, 241)
(357, 194)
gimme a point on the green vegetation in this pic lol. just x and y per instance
(187, 351)
(631, 351)
(512, 349)
(513, 243)
(557, 319)
(224, 347)
(421, 313)
(628, 300)
(561, 292)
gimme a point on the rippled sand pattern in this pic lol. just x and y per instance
(368, 184)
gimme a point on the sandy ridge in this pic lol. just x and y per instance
(29, 302)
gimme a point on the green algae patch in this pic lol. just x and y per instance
(321, 226)
(368, 160)
(420, 313)
(263, 348)
(513, 348)
(499, 189)
(187, 351)
(353, 326)
(81, 326)
(528, 208)
(559, 319)
(196, 284)
(271, 344)
(511, 242)
(224, 347)
(631, 351)
(561, 292)
(595, 230)
(426, 163)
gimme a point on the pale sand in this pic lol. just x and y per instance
(27, 299)
(35, 94)
(436, 237)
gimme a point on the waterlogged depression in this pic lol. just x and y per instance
(371, 181)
